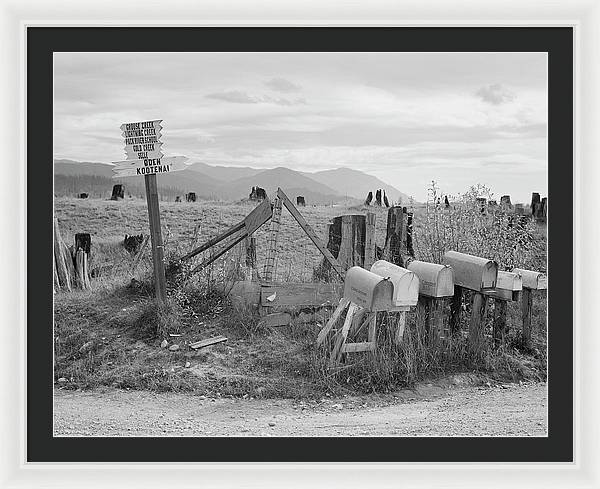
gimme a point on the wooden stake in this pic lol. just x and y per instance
(436, 320)
(156, 237)
(477, 322)
(526, 303)
(500, 324)
(455, 310)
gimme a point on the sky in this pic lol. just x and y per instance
(460, 119)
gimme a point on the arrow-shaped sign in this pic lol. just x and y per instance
(131, 126)
(132, 168)
(144, 155)
(137, 133)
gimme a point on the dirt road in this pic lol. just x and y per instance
(510, 409)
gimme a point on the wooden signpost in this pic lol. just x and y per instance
(144, 157)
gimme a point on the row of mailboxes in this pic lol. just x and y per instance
(532, 280)
(386, 287)
(434, 280)
(472, 272)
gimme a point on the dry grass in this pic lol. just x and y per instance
(112, 334)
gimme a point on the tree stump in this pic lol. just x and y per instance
(346, 241)
(398, 239)
(118, 192)
(378, 197)
(535, 200)
(83, 241)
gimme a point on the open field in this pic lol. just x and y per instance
(107, 336)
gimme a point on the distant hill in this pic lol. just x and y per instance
(293, 182)
(224, 173)
(224, 183)
(356, 184)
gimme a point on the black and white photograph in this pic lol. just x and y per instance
(300, 244)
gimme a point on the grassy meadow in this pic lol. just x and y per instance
(111, 335)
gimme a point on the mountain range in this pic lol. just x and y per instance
(226, 182)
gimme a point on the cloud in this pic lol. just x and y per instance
(282, 85)
(235, 97)
(238, 97)
(495, 94)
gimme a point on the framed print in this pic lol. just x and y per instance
(343, 259)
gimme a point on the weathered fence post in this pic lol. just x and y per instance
(270, 262)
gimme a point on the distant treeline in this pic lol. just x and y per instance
(101, 187)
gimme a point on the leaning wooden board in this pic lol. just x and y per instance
(300, 294)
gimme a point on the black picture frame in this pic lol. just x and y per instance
(42, 42)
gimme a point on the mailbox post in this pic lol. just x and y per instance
(508, 288)
(531, 281)
(385, 288)
(478, 275)
(436, 285)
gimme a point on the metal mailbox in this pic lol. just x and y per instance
(508, 286)
(406, 283)
(368, 290)
(472, 272)
(434, 280)
(532, 280)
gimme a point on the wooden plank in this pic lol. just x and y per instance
(526, 306)
(213, 241)
(270, 262)
(238, 239)
(300, 294)
(259, 215)
(369, 240)
(400, 327)
(160, 281)
(61, 266)
(372, 334)
(342, 335)
(346, 254)
(356, 347)
(275, 319)
(436, 323)
(332, 320)
(309, 232)
(210, 341)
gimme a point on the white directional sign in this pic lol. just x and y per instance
(132, 168)
(143, 151)
(132, 126)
